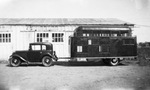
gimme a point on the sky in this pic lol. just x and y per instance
(133, 11)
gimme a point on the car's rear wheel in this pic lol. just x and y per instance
(15, 62)
(47, 61)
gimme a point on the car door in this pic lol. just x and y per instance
(34, 53)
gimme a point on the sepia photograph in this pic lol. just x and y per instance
(74, 44)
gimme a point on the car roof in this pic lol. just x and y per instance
(40, 43)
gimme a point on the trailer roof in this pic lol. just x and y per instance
(60, 21)
(124, 27)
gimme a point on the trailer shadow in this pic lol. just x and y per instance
(70, 64)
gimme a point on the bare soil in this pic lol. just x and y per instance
(77, 76)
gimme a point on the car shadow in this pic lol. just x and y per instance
(70, 64)
(29, 65)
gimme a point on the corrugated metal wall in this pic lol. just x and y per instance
(22, 35)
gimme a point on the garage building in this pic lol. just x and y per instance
(17, 33)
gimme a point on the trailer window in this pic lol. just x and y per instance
(79, 48)
(86, 34)
(100, 49)
(89, 42)
(128, 42)
(57, 37)
(114, 35)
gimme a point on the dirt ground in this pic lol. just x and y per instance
(78, 76)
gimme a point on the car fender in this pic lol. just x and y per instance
(18, 56)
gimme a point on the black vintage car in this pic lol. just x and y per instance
(37, 53)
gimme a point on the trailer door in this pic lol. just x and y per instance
(93, 50)
(93, 47)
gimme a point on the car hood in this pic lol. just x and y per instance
(22, 54)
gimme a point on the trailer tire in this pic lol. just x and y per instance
(114, 61)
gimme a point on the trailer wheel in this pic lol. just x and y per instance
(47, 61)
(15, 62)
(114, 61)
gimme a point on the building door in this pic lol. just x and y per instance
(59, 44)
(6, 47)
(57, 39)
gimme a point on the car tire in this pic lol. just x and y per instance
(47, 61)
(15, 62)
(114, 62)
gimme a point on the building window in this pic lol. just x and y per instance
(57, 37)
(42, 37)
(5, 38)
(79, 48)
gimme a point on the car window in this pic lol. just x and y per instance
(36, 47)
(43, 47)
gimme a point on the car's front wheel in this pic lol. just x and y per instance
(15, 62)
(47, 61)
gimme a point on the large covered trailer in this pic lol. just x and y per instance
(98, 43)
